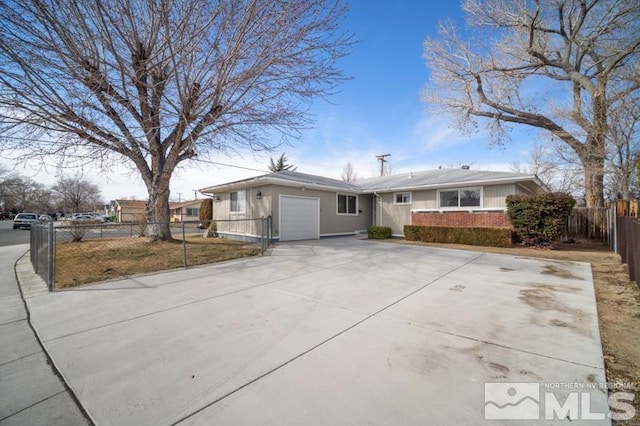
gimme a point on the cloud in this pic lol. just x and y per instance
(435, 133)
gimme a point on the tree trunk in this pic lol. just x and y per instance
(625, 184)
(156, 214)
(594, 182)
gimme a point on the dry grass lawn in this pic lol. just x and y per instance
(98, 260)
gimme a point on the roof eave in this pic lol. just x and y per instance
(458, 184)
(269, 180)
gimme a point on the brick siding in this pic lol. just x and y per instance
(462, 219)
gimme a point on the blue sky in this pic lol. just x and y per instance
(378, 111)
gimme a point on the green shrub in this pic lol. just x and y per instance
(539, 219)
(490, 237)
(379, 232)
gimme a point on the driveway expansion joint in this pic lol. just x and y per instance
(340, 333)
(33, 405)
(487, 342)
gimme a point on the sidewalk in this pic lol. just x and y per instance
(31, 393)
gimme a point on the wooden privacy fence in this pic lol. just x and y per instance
(618, 224)
(628, 244)
(599, 222)
(586, 222)
(627, 208)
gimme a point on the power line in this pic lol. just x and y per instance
(229, 165)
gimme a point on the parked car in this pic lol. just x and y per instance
(6, 215)
(89, 217)
(24, 220)
(84, 216)
(45, 218)
(103, 218)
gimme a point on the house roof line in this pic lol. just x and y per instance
(143, 203)
(461, 184)
(292, 179)
(177, 204)
(380, 184)
(282, 182)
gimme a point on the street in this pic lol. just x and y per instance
(10, 236)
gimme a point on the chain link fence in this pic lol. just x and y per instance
(41, 251)
(69, 253)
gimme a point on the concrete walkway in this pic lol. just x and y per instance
(337, 331)
(31, 393)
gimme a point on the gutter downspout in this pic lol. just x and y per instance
(378, 212)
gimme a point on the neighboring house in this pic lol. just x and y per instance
(129, 210)
(133, 210)
(185, 211)
(308, 207)
(104, 209)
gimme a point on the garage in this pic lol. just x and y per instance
(299, 218)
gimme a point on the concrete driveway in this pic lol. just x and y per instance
(336, 331)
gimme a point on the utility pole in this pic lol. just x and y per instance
(382, 159)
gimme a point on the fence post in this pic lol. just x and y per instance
(50, 257)
(614, 229)
(262, 226)
(34, 246)
(184, 247)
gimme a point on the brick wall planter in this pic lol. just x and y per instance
(462, 219)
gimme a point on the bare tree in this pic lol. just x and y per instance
(559, 66)
(281, 164)
(623, 150)
(348, 173)
(21, 194)
(556, 166)
(154, 83)
(76, 194)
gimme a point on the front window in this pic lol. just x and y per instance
(468, 197)
(347, 204)
(237, 201)
(193, 212)
(402, 198)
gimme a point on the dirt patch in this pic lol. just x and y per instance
(560, 289)
(558, 323)
(544, 299)
(618, 301)
(558, 272)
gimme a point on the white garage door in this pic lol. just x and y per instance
(299, 218)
